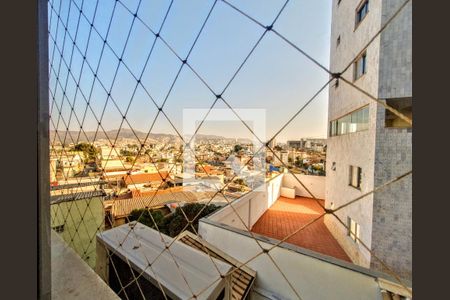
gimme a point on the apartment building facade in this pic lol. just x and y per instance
(367, 144)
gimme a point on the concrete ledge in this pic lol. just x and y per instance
(72, 278)
(329, 259)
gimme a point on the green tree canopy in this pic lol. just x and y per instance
(143, 216)
(237, 148)
(89, 151)
(240, 181)
(174, 223)
(125, 152)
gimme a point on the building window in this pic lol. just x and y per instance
(361, 12)
(360, 66)
(58, 228)
(338, 41)
(332, 128)
(353, 229)
(402, 105)
(355, 177)
(355, 121)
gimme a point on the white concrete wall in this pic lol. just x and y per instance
(315, 184)
(357, 149)
(244, 212)
(312, 278)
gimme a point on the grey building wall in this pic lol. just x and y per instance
(382, 153)
(396, 51)
(357, 149)
(392, 211)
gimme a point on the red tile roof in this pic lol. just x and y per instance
(145, 193)
(288, 215)
(145, 177)
(123, 207)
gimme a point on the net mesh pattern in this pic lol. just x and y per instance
(115, 68)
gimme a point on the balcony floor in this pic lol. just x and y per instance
(288, 215)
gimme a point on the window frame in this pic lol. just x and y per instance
(358, 177)
(359, 8)
(336, 84)
(59, 228)
(361, 58)
(353, 230)
(362, 126)
(333, 166)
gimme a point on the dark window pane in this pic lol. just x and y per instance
(362, 12)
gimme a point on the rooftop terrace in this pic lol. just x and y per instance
(288, 215)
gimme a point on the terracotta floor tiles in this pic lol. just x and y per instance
(288, 215)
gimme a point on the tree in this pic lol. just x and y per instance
(89, 151)
(240, 181)
(143, 216)
(125, 152)
(179, 222)
(298, 161)
(174, 223)
(237, 148)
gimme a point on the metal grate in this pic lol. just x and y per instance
(103, 62)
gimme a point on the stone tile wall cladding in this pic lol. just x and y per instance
(392, 210)
(382, 153)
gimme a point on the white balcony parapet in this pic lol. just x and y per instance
(72, 278)
(288, 192)
(249, 207)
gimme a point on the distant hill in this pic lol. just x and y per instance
(89, 136)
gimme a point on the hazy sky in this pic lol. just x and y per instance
(276, 77)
